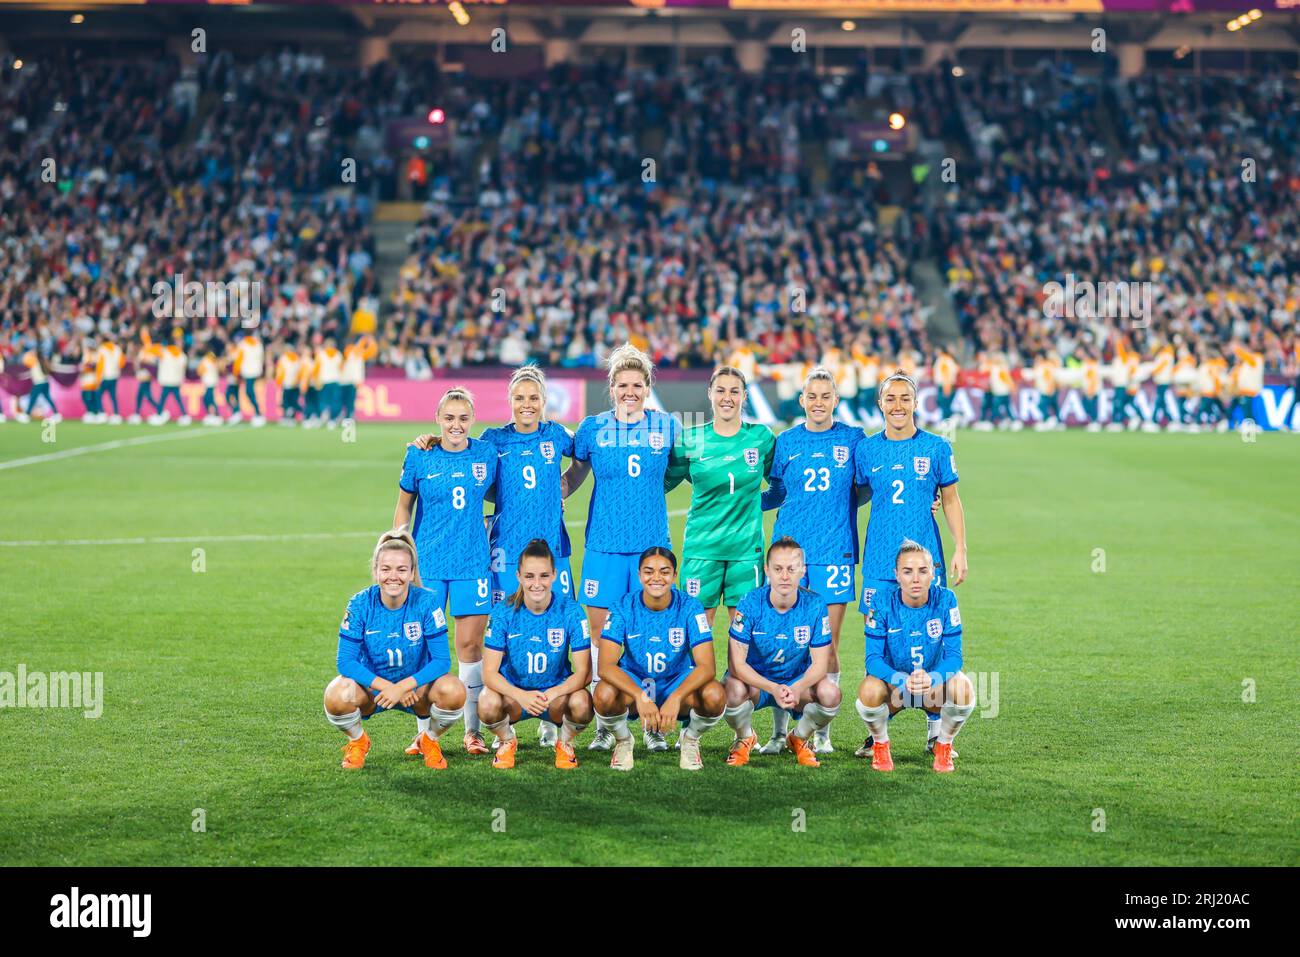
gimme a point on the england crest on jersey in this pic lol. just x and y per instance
(841, 454)
(555, 637)
(656, 441)
(676, 637)
(693, 587)
(921, 464)
(802, 634)
(413, 631)
(934, 628)
(548, 451)
(480, 471)
(589, 587)
(751, 457)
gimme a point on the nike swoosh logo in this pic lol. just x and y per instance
(372, 632)
(479, 604)
(514, 634)
(894, 631)
(876, 468)
(795, 456)
(760, 633)
(637, 635)
(433, 475)
(502, 455)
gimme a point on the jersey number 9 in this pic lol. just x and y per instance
(530, 477)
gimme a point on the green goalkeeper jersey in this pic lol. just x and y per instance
(725, 522)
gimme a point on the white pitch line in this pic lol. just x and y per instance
(204, 539)
(101, 447)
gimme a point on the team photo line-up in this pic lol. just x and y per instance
(523, 640)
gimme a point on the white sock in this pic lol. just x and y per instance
(931, 726)
(421, 724)
(833, 677)
(441, 721)
(951, 718)
(502, 729)
(739, 717)
(618, 724)
(595, 666)
(603, 723)
(349, 724)
(877, 720)
(569, 731)
(471, 675)
(815, 717)
(780, 722)
(701, 723)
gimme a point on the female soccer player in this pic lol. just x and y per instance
(726, 461)
(39, 369)
(658, 655)
(393, 654)
(812, 483)
(627, 451)
(449, 483)
(528, 495)
(906, 467)
(526, 668)
(914, 657)
(778, 655)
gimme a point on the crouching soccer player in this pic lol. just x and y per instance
(526, 670)
(913, 646)
(658, 653)
(779, 651)
(393, 655)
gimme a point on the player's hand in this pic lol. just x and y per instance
(390, 696)
(669, 711)
(648, 713)
(534, 702)
(934, 507)
(786, 697)
(410, 698)
(918, 682)
(959, 568)
(426, 441)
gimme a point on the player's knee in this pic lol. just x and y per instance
(959, 689)
(828, 694)
(873, 692)
(491, 706)
(606, 699)
(448, 693)
(713, 699)
(343, 696)
(737, 692)
(578, 707)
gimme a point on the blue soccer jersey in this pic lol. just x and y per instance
(628, 512)
(904, 476)
(535, 648)
(900, 639)
(781, 643)
(528, 500)
(815, 470)
(448, 522)
(657, 645)
(396, 643)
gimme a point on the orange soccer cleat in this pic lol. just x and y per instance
(474, 743)
(565, 758)
(504, 759)
(943, 757)
(881, 759)
(740, 749)
(354, 752)
(802, 752)
(414, 747)
(432, 752)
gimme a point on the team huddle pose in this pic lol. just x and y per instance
(524, 644)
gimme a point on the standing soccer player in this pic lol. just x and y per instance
(172, 363)
(528, 493)
(449, 483)
(355, 356)
(812, 484)
(726, 461)
(88, 380)
(111, 360)
(209, 376)
(527, 673)
(288, 367)
(778, 656)
(914, 658)
(658, 656)
(906, 467)
(627, 450)
(251, 359)
(393, 654)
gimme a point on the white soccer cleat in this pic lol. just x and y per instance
(1222, 426)
(983, 426)
(547, 734)
(114, 419)
(184, 420)
(1193, 429)
(655, 741)
(1016, 425)
(775, 745)
(1092, 427)
(22, 417)
(134, 419)
(258, 421)
(54, 417)
(603, 741)
(821, 743)
(690, 759)
(1115, 427)
(622, 757)
(331, 424)
(1150, 427)
(234, 419)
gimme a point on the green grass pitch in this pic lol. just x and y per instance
(1119, 692)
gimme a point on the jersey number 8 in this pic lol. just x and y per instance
(458, 497)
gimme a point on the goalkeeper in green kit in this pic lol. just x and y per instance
(726, 461)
